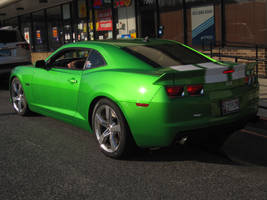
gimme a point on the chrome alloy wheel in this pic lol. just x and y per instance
(107, 128)
(17, 95)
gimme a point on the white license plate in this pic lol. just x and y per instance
(230, 106)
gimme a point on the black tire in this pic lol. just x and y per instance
(18, 99)
(111, 130)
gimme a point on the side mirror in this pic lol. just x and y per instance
(40, 64)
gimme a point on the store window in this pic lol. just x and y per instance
(124, 18)
(26, 28)
(55, 32)
(69, 35)
(103, 19)
(171, 20)
(249, 28)
(39, 31)
(147, 20)
(81, 25)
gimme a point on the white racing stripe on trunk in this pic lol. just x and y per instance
(185, 68)
(214, 72)
(240, 72)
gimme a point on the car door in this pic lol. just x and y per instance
(55, 90)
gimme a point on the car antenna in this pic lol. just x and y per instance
(146, 39)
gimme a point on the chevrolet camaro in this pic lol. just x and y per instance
(136, 93)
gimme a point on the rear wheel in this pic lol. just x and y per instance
(111, 130)
(18, 99)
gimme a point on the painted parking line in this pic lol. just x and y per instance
(253, 133)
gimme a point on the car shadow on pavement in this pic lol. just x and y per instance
(245, 147)
(249, 145)
(186, 152)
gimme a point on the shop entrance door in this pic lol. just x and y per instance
(148, 23)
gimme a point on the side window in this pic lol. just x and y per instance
(71, 59)
(95, 59)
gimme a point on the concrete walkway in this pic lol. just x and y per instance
(263, 98)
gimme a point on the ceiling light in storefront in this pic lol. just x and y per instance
(5, 3)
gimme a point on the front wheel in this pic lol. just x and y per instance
(111, 130)
(18, 99)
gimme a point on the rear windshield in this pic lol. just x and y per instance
(9, 36)
(165, 55)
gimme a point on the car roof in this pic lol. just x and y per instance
(126, 42)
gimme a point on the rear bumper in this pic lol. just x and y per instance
(6, 68)
(161, 122)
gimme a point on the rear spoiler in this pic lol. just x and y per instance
(205, 73)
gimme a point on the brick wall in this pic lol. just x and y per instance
(39, 56)
(242, 52)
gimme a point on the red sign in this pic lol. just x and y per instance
(104, 20)
(97, 3)
(121, 3)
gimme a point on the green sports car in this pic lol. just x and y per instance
(136, 93)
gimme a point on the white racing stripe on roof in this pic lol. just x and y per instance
(214, 72)
(185, 68)
(240, 71)
(211, 65)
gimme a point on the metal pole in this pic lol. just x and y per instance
(223, 22)
(257, 65)
(157, 18)
(32, 32)
(185, 22)
(94, 21)
(46, 33)
(114, 36)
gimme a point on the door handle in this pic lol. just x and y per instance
(73, 80)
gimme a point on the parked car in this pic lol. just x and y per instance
(143, 93)
(14, 50)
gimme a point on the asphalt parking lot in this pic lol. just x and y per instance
(43, 158)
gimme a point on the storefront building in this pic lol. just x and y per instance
(198, 23)
(194, 22)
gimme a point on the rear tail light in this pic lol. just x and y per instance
(195, 90)
(229, 71)
(24, 46)
(175, 90)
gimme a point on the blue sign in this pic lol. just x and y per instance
(203, 25)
